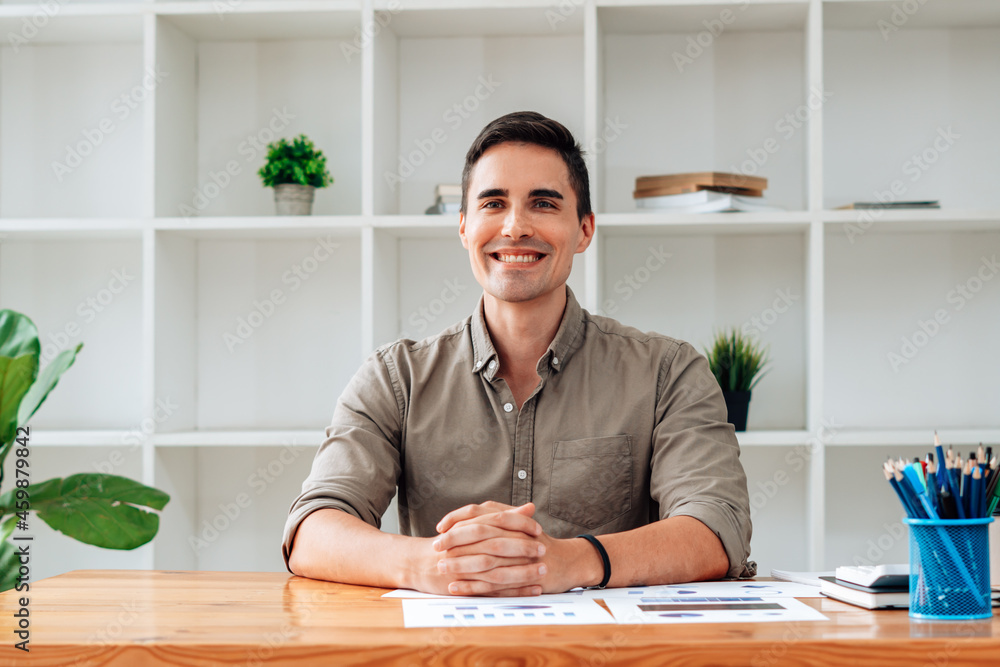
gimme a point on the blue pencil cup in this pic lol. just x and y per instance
(949, 568)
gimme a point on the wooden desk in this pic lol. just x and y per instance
(107, 617)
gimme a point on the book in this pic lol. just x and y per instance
(861, 597)
(445, 190)
(808, 578)
(705, 201)
(681, 189)
(710, 178)
(443, 208)
(875, 576)
(927, 203)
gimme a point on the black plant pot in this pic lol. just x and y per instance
(738, 405)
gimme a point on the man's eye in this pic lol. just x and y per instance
(489, 204)
(544, 202)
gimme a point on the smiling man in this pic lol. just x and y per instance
(518, 435)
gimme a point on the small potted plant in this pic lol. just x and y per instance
(737, 363)
(294, 169)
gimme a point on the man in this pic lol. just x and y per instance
(527, 425)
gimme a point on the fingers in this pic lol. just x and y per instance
(472, 511)
(500, 578)
(473, 588)
(500, 546)
(476, 564)
(498, 524)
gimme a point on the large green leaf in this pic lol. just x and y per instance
(98, 509)
(47, 379)
(16, 378)
(18, 335)
(19, 354)
(8, 566)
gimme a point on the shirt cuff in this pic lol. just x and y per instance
(299, 514)
(737, 545)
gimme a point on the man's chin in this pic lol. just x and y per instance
(519, 293)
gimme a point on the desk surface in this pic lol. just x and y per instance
(124, 617)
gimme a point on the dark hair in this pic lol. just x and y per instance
(531, 127)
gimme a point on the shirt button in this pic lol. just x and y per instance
(493, 364)
(555, 360)
(521, 474)
(507, 407)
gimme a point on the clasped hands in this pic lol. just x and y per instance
(497, 550)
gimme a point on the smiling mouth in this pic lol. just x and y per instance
(505, 258)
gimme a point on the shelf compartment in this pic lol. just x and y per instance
(789, 438)
(443, 18)
(778, 485)
(920, 439)
(856, 223)
(262, 21)
(69, 149)
(90, 292)
(631, 224)
(704, 88)
(272, 438)
(864, 520)
(923, 116)
(689, 286)
(913, 319)
(893, 17)
(227, 508)
(264, 227)
(255, 333)
(241, 81)
(435, 90)
(88, 438)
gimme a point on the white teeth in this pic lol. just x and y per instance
(518, 258)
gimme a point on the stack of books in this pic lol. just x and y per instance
(702, 192)
(447, 199)
(871, 587)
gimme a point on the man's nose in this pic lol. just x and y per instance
(516, 225)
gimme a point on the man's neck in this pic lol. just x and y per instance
(521, 332)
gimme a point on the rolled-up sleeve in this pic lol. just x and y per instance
(358, 464)
(696, 469)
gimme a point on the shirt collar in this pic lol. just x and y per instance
(567, 340)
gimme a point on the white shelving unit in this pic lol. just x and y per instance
(218, 336)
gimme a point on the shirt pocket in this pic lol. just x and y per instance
(591, 480)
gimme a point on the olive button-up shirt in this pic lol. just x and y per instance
(623, 429)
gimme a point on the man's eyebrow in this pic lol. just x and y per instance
(542, 192)
(493, 192)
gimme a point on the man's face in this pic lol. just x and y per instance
(520, 225)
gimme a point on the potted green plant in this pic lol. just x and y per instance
(294, 169)
(738, 364)
(104, 510)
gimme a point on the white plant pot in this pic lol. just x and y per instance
(294, 199)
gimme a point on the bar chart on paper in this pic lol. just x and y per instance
(437, 613)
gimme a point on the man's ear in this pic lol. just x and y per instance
(461, 230)
(587, 225)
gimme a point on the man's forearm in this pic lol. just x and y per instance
(336, 546)
(674, 550)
